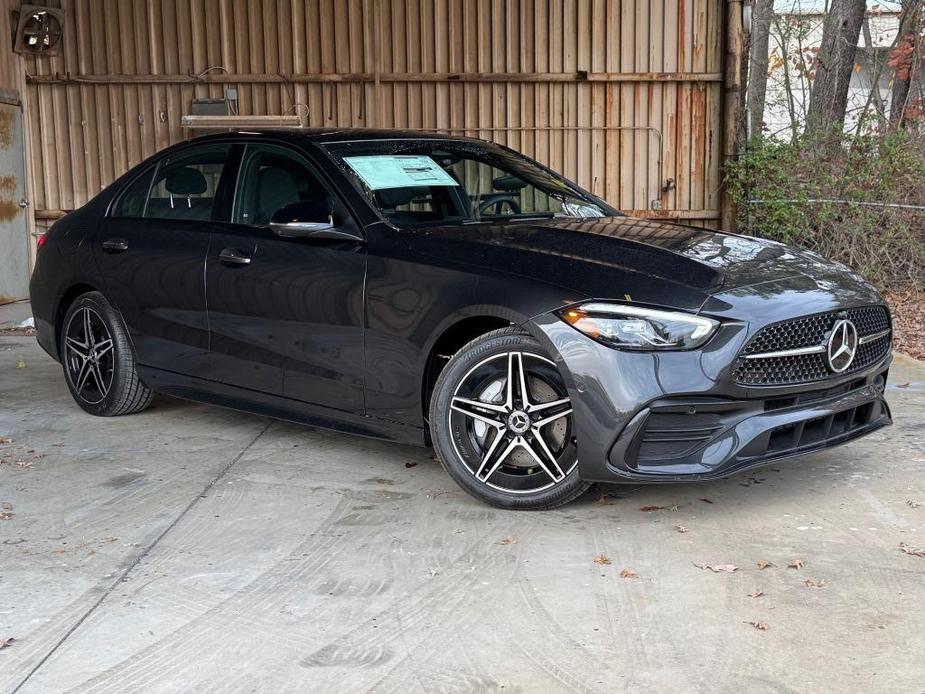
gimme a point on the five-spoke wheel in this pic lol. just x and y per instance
(501, 420)
(88, 355)
(99, 364)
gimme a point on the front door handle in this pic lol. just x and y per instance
(115, 245)
(234, 257)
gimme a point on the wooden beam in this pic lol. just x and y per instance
(732, 93)
(372, 77)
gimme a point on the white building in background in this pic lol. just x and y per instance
(796, 34)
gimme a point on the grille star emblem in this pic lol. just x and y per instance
(842, 346)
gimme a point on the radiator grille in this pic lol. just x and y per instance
(810, 331)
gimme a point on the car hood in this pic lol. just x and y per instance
(638, 259)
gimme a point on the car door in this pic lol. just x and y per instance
(286, 314)
(151, 250)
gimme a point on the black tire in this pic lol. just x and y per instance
(498, 456)
(100, 371)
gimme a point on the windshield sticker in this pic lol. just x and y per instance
(399, 171)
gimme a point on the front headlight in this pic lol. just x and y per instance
(637, 328)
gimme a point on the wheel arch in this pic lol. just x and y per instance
(68, 297)
(449, 340)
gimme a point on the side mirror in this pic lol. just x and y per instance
(301, 219)
(309, 220)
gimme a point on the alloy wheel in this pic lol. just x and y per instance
(511, 423)
(89, 355)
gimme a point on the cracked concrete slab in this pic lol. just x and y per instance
(190, 548)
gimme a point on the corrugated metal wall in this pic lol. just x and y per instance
(621, 95)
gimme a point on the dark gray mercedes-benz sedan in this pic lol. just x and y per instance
(450, 292)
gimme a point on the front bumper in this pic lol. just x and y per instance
(707, 438)
(681, 416)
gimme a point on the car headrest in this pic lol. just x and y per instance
(186, 181)
(508, 183)
(393, 197)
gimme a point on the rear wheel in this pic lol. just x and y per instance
(501, 423)
(98, 361)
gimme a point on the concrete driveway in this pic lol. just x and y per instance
(193, 549)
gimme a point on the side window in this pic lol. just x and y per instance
(273, 178)
(186, 184)
(132, 201)
(183, 186)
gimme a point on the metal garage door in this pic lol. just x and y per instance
(14, 254)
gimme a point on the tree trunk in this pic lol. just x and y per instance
(828, 99)
(758, 65)
(909, 26)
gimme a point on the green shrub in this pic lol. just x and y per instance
(830, 198)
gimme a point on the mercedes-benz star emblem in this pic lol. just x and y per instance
(518, 422)
(842, 346)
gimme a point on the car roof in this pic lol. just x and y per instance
(322, 135)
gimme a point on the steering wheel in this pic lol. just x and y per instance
(497, 201)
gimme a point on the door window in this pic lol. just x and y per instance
(184, 186)
(273, 178)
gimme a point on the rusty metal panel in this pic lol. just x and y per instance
(10, 67)
(623, 96)
(14, 251)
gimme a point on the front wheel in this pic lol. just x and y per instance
(501, 423)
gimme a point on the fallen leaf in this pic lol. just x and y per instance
(651, 508)
(21, 364)
(603, 500)
(718, 568)
(628, 573)
(681, 528)
(5, 515)
(508, 541)
(706, 501)
(411, 464)
(5, 440)
(602, 559)
(903, 385)
(6, 642)
(912, 503)
(810, 583)
(914, 551)
(762, 565)
(756, 594)
(760, 626)
(796, 564)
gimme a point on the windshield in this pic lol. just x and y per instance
(429, 182)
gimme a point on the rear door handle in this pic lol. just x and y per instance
(234, 257)
(115, 245)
